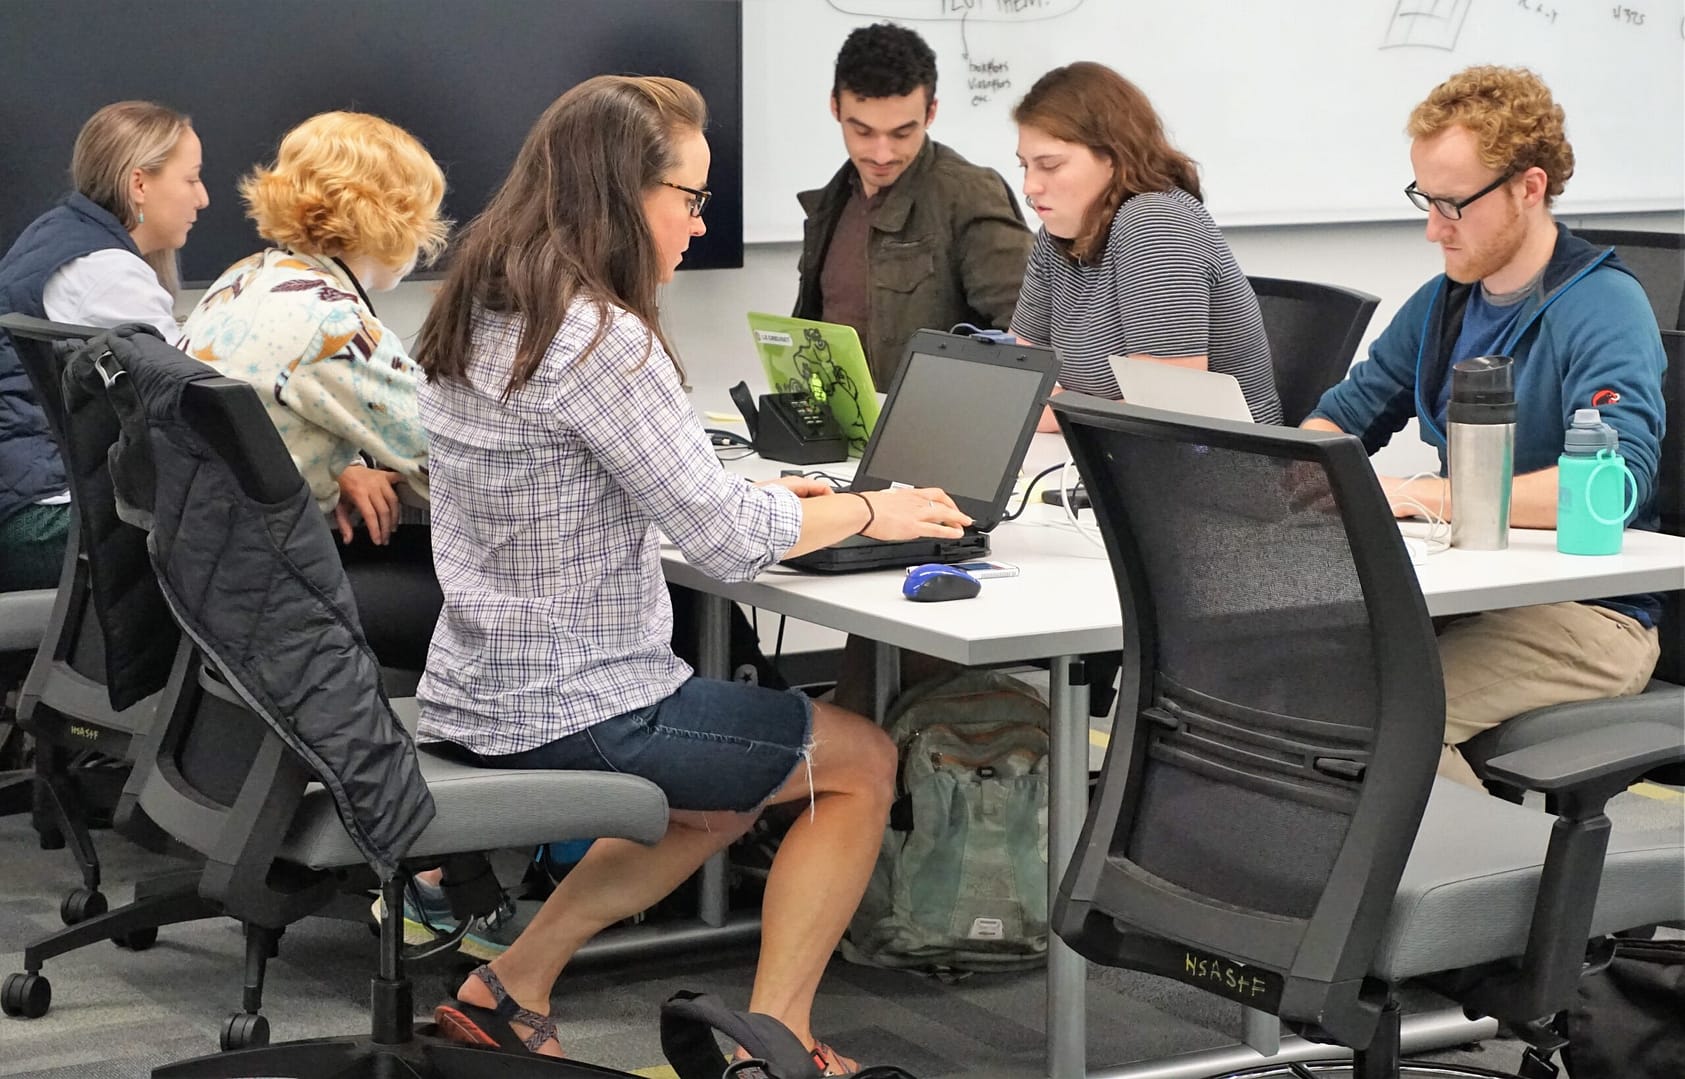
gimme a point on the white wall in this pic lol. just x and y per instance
(704, 309)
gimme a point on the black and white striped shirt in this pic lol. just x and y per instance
(1167, 285)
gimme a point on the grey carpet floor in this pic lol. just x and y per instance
(117, 1013)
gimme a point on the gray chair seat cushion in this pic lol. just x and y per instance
(1467, 893)
(489, 808)
(24, 617)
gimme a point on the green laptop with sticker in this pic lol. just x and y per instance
(824, 361)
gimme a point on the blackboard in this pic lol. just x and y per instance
(467, 77)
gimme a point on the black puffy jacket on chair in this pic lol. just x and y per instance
(258, 586)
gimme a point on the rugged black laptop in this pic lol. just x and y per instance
(960, 416)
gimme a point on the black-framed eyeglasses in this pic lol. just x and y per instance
(1451, 209)
(698, 197)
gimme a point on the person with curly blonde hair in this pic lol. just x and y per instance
(350, 205)
(1490, 154)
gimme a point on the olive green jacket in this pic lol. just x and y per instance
(948, 245)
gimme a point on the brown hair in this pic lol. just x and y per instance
(1512, 116)
(117, 140)
(1090, 104)
(350, 183)
(567, 222)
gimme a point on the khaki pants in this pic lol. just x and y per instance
(1503, 663)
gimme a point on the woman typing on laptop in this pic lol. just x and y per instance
(1127, 262)
(563, 447)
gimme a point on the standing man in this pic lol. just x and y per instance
(908, 234)
(1489, 156)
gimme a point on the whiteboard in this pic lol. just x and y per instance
(1294, 109)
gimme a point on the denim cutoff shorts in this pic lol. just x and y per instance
(710, 746)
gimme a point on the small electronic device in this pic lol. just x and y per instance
(982, 569)
(1209, 394)
(1077, 497)
(936, 582)
(823, 360)
(791, 427)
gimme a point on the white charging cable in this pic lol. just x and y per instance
(1091, 533)
(1438, 538)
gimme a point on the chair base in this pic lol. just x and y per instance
(1417, 1034)
(424, 1056)
(166, 901)
(1408, 1070)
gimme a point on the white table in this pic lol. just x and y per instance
(1064, 604)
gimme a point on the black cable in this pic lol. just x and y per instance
(778, 648)
(725, 439)
(1024, 502)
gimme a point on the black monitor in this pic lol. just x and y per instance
(960, 416)
(466, 77)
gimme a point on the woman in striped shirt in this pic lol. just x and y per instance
(1127, 262)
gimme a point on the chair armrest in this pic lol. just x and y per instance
(1609, 758)
(1661, 703)
(1582, 771)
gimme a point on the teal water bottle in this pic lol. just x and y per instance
(1596, 492)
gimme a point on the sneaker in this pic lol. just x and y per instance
(428, 917)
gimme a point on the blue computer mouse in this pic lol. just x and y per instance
(936, 582)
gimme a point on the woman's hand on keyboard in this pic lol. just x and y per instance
(902, 513)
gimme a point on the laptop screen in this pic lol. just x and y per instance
(960, 418)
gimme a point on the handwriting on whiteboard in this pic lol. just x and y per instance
(980, 10)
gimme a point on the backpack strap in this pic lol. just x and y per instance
(688, 1023)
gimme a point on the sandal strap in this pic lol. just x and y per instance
(506, 1008)
(824, 1058)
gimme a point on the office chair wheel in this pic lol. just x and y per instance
(137, 940)
(50, 839)
(26, 996)
(80, 905)
(243, 1030)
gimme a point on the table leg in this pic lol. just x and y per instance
(713, 653)
(1260, 1031)
(886, 679)
(1067, 807)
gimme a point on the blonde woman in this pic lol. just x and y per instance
(350, 206)
(105, 255)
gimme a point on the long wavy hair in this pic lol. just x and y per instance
(568, 222)
(1090, 104)
(117, 140)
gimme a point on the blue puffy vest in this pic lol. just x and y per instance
(30, 468)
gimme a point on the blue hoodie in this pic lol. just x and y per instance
(1590, 341)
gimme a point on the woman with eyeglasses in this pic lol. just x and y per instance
(349, 205)
(104, 256)
(563, 448)
(1127, 261)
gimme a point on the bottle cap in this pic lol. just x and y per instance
(1483, 390)
(1589, 434)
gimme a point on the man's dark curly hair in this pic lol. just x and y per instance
(885, 60)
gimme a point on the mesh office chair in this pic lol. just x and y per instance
(84, 746)
(1314, 331)
(1267, 825)
(24, 615)
(1663, 700)
(224, 783)
(1657, 259)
